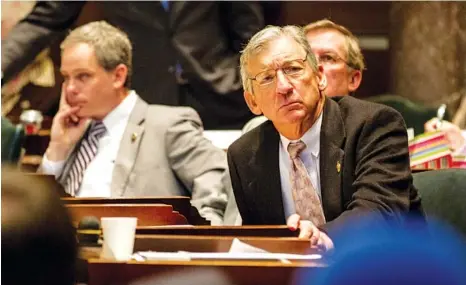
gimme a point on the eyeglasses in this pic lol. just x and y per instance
(330, 59)
(291, 69)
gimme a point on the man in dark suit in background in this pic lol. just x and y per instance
(185, 53)
(318, 163)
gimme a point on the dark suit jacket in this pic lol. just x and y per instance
(203, 37)
(368, 140)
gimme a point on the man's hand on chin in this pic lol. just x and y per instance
(67, 129)
(307, 230)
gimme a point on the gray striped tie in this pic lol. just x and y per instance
(87, 151)
(307, 202)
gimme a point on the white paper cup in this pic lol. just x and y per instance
(118, 235)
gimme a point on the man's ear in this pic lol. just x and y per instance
(354, 80)
(120, 75)
(322, 79)
(252, 104)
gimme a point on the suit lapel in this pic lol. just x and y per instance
(332, 139)
(267, 191)
(129, 148)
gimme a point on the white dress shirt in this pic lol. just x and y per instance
(98, 175)
(310, 158)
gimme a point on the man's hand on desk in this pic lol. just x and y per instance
(307, 230)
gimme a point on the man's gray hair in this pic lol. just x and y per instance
(111, 45)
(263, 38)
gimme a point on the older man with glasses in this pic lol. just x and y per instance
(319, 162)
(338, 51)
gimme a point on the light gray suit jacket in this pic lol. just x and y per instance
(164, 153)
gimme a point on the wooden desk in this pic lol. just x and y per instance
(241, 272)
(216, 231)
(251, 231)
(181, 204)
(147, 214)
(172, 243)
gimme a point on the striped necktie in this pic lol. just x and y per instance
(306, 199)
(85, 154)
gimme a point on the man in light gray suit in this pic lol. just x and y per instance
(107, 142)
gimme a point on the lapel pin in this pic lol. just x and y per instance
(134, 136)
(338, 166)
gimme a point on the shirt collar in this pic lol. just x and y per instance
(121, 112)
(311, 138)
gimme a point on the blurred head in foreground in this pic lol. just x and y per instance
(400, 256)
(38, 239)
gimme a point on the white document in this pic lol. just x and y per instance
(238, 246)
